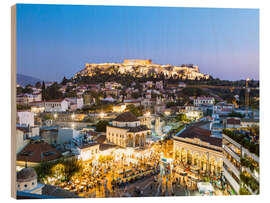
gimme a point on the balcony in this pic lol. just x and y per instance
(232, 167)
(231, 140)
(231, 180)
(252, 155)
(233, 154)
(252, 174)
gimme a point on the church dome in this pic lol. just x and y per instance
(26, 174)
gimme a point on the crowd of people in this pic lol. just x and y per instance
(110, 178)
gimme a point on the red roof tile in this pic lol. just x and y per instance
(38, 151)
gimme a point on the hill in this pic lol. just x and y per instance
(24, 80)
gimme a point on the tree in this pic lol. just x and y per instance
(38, 85)
(101, 126)
(71, 94)
(47, 117)
(22, 107)
(58, 170)
(26, 90)
(64, 81)
(53, 92)
(235, 114)
(137, 111)
(19, 90)
(43, 89)
(182, 117)
(135, 95)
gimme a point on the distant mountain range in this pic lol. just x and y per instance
(24, 80)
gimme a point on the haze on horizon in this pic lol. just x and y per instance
(54, 41)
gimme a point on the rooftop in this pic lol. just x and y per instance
(23, 129)
(202, 134)
(233, 121)
(54, 191)
(126, 117)
(103, 147)
(37, 152)
(88, 145)
(26, 174)
(133, 129)
(55, 100)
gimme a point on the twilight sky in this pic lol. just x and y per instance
(54, 41)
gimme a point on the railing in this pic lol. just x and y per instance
(233, 154)
(231, 180)
(252, 174)
(253, 156)
(232, 167)
(231, 140)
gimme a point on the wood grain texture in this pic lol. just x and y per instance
(13, 101)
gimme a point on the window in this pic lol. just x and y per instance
(25, 185)
(33, 183)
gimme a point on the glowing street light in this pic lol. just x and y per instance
(102, 115)
(55, 116)
(72, 116)
(167, 113)
(147, 114)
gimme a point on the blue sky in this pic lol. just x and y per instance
(54, 41)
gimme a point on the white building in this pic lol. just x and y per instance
(194, 114)
(26, 118)
(231, 123)
(28, 98)
(204, 101)
(77, 101)
(249, 122)
(57, 105)
(88, 151)
(65, 135)
(112, 85)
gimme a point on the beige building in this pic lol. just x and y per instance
(127, 131)
(195, 147)
(119, 108)
(88, 151)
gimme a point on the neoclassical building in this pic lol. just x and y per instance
(127, 131)
(195, 147)
(27, 181)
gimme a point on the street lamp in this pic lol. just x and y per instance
(73, 116)
(147, 114)
(55, 116)
(102, 115)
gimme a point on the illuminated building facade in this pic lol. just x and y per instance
(127, 131)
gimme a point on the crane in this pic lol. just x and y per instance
(247, 97)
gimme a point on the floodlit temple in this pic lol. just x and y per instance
(140, 68)
(196, 148)
(127, 131)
